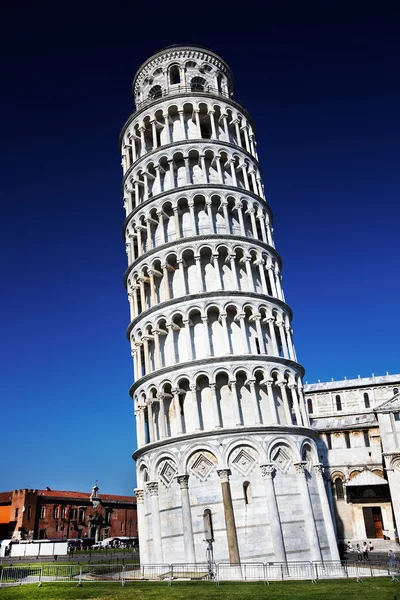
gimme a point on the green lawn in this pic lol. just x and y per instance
(371, 589)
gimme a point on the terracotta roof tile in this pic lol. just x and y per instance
(5, 497)
(83, 495)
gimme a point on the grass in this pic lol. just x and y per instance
(372, 589)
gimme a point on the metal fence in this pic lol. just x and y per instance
(212, 572)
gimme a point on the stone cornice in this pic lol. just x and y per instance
(212, 237)
(185, 143)
(192, 188)
(213, 360)
(204, 295)
(263, 429)
(174, 96)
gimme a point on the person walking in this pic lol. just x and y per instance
(365, 551)
(392, 557)
(359, 553)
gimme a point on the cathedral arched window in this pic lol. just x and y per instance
(247, 492)
(208, 526)
(339, 489)
(174, 75)
(155, 92)
(309, 405)
(366, 400)
(338, 402)
(197, 84)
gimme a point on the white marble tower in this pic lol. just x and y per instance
(225, 452)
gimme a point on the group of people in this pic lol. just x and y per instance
(362, 553)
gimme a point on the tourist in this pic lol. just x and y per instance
(365, 551)
(359, 553)
(349, 546)
(370, 546)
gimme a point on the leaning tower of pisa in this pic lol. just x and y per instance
(226, 460)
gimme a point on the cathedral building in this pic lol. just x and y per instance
(228, 464)
(358, 421)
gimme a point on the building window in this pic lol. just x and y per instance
(42, 512)
(29, 512)
(339, 488)
(329, 441)
(347, 439)
(122, 526)
(395, 391)
(338, 402)
(247, 492)
(57, 527)
(396, 416)
(174, 75)
(310, 406)
(208, 526)
(63, 512)
(16, 513)
(155, 92)
(366, 439)
(197, 84)
(72, 513)
(56, 512)
(81, 515)
(42, 534)
(366, 400)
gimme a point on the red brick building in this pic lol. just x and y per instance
(50, 514)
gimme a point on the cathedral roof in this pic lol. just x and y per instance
(352, 383)
(392, 405)
(366, 477)
(345, 421)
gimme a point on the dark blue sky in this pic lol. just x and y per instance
(323, 90)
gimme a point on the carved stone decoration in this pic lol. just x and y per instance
(318, 470)
(267, 471)
(167, 472)
(139, 495)
(300, 467)
(183, 481)
(243, 461)
(223, 475)
(202, 467)
(152, 488)
(282, 458)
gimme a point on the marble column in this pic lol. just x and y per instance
(217, 417)
(142, 529)
(272, 405)
(276, 535)
(254, 399)
(152, 488)
(231, 534)
(235, 403)
(195, 406)
(310, 525)
(177, 410)
(187, 527)
(326, 512)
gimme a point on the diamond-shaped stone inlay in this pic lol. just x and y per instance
(244, 461)
(167, 473)
(281, 457)
(202, 467)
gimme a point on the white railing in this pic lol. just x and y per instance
(212, 572)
